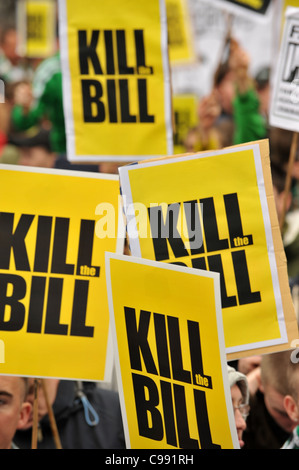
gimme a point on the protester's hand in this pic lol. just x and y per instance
(208, 111)
(239, 64)
(23, 95)
(247, 364)
(239, 59)
(254, 380)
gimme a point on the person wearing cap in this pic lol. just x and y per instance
(240, 399)
(34, 148)
(42, 100)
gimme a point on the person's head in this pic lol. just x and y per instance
(224, 87)
(262, 81)
(51, 386)
(274, 387)
(14, 408)
(8, 44)
(240, 399)
(35, 150)
(109, 167)
(291, 400)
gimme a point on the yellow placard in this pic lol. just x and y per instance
(180, 37)
(214, 211)
(54, 319)
(36, 21)
(171, 364)
(115, 79)
(185, 117)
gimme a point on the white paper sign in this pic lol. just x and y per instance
(284, 109)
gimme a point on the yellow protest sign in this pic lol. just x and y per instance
(54, 319)
(215, 210)
(172, 372)
(115, 79)
(180, 37)
(185, 118)
(36, 24)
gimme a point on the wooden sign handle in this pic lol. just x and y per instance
(52, 420)
(35, 416)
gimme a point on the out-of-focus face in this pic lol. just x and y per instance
(9, 46)
(237, 400)
(274, 402)
(226, 93)
(14, 412)
(36, 156)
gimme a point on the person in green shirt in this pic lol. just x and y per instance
(250, 124)
(239, 99)
(42, 101)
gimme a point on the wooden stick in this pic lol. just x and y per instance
(292, 159)
(35, 416)
(51, 418)
(227, 38)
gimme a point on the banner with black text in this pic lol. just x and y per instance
(215, 210)
(54, 318)
(116, 82)
(171, 365)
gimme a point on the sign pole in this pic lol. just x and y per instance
(51, 418)
(53, 425)
(35, 416)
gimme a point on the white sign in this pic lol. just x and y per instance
(284, 110)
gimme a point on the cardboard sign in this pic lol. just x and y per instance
(54, 319)
(36, 26)
(116, 84)
(284, 109)
(215, 210)
(180, 37)
(257, 10)
(185, 118)
(171, 366)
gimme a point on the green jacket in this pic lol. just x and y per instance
(48, 103)
(250, 125)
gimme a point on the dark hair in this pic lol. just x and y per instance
(280, 141)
